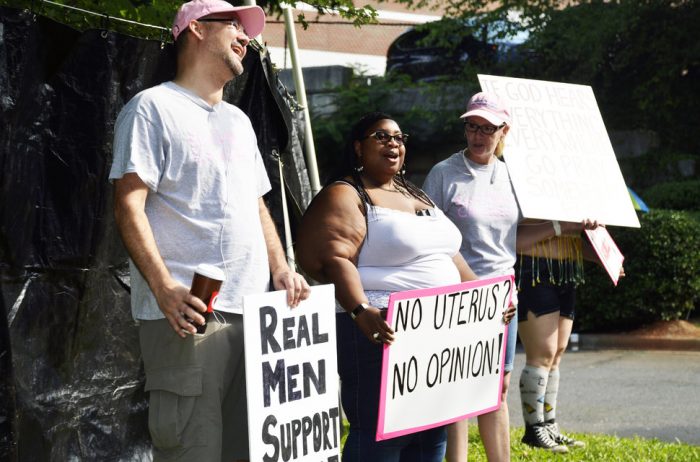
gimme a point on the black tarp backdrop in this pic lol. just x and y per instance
(71, 381)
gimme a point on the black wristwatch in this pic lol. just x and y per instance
(358, 310)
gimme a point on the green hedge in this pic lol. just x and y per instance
(662, 263)
(676, 195)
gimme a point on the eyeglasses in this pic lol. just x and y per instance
(232, 22)
(485, 129)
(384, 137)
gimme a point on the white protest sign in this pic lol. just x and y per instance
(446, 363)
(608, 252)
(559, 154)
(291, 377)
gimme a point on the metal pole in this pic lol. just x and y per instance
(289, 246)
(311, 166)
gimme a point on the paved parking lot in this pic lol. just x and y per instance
(653, 394)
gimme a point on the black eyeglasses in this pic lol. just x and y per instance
(232, 22)
(384, 137)
(487, 129)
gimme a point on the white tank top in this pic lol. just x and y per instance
(404, 251)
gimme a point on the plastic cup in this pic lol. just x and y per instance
(206, 283)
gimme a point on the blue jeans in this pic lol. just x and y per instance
(359, 366)
(510, 343)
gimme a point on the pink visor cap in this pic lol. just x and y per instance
(252, 17)
(488, 106)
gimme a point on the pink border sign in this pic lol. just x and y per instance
(382, 433)
(607, 250)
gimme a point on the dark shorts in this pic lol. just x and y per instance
(547, 294)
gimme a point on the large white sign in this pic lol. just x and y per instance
(291, 377)
(446, 363)
(559, 154)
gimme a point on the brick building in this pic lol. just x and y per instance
(332, 40)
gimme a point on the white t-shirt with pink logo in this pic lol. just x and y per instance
(205, 175)
(480, 200)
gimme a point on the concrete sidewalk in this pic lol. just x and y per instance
(636, 342)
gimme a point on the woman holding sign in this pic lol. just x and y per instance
(371, 232)
(549, 268)
(473, 188)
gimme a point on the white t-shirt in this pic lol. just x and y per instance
(480, 200)
(205, 175)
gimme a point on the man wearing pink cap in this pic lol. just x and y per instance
(189, 181)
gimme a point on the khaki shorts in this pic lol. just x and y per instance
(197, 408)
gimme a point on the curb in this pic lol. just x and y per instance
(633, 342)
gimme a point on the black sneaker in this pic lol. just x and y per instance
(538, 436)
(561, 438)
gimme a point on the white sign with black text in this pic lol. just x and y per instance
(446, 363)
(559, 155)
(291, 377)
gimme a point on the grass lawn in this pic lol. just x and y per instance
(598, 448)
(603, 448)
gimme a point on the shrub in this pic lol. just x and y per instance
(676, 195)
(658, 165)
(662, 262)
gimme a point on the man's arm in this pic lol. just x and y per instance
(282, 276)
(174, 299)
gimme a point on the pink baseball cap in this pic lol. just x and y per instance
(252, 16)
(488, 106)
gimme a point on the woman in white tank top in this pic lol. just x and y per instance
(370, 232)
